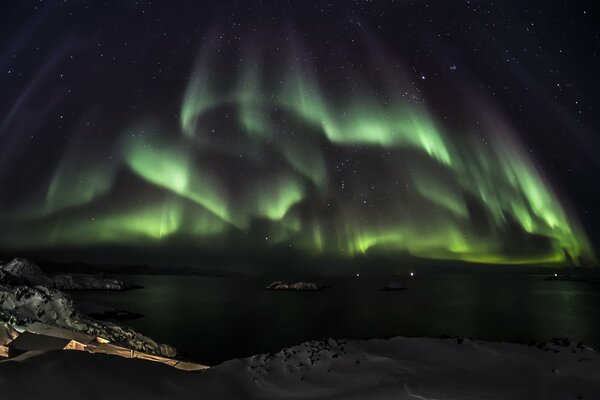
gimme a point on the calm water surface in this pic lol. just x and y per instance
(212, 319)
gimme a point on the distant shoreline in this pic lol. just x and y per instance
(53, 267)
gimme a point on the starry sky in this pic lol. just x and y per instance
(446, 131)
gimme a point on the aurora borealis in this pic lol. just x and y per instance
(270, 132)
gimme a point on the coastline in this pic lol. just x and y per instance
(395, 368)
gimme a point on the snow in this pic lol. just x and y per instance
(398, 368)
(24, 305)
(298, 286)
(27, 272)
(88, 282)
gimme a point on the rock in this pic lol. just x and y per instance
(28, 295)
(88, 282)
(167, 350)
(28, 271)
(305, 286)
(23, 305)
(298, 286)
(21, 271)
(277, 285)
(7, 333)
(7, 278)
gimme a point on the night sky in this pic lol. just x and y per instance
(461, 131)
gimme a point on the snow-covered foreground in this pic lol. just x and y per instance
(398, 368)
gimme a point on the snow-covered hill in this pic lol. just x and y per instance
(29, 273)
(27, 296)
(398, 368)
(23, 305)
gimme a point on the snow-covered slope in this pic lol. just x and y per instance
(399, 368)
(297, 286)
(29, 273)
(23, 305)
(88, 282)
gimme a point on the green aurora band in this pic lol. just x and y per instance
(341, 175)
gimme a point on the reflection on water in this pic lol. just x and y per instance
(212, 319)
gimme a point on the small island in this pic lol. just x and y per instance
(574, 278)
(297, 286)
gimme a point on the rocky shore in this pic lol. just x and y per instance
(27, 296)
